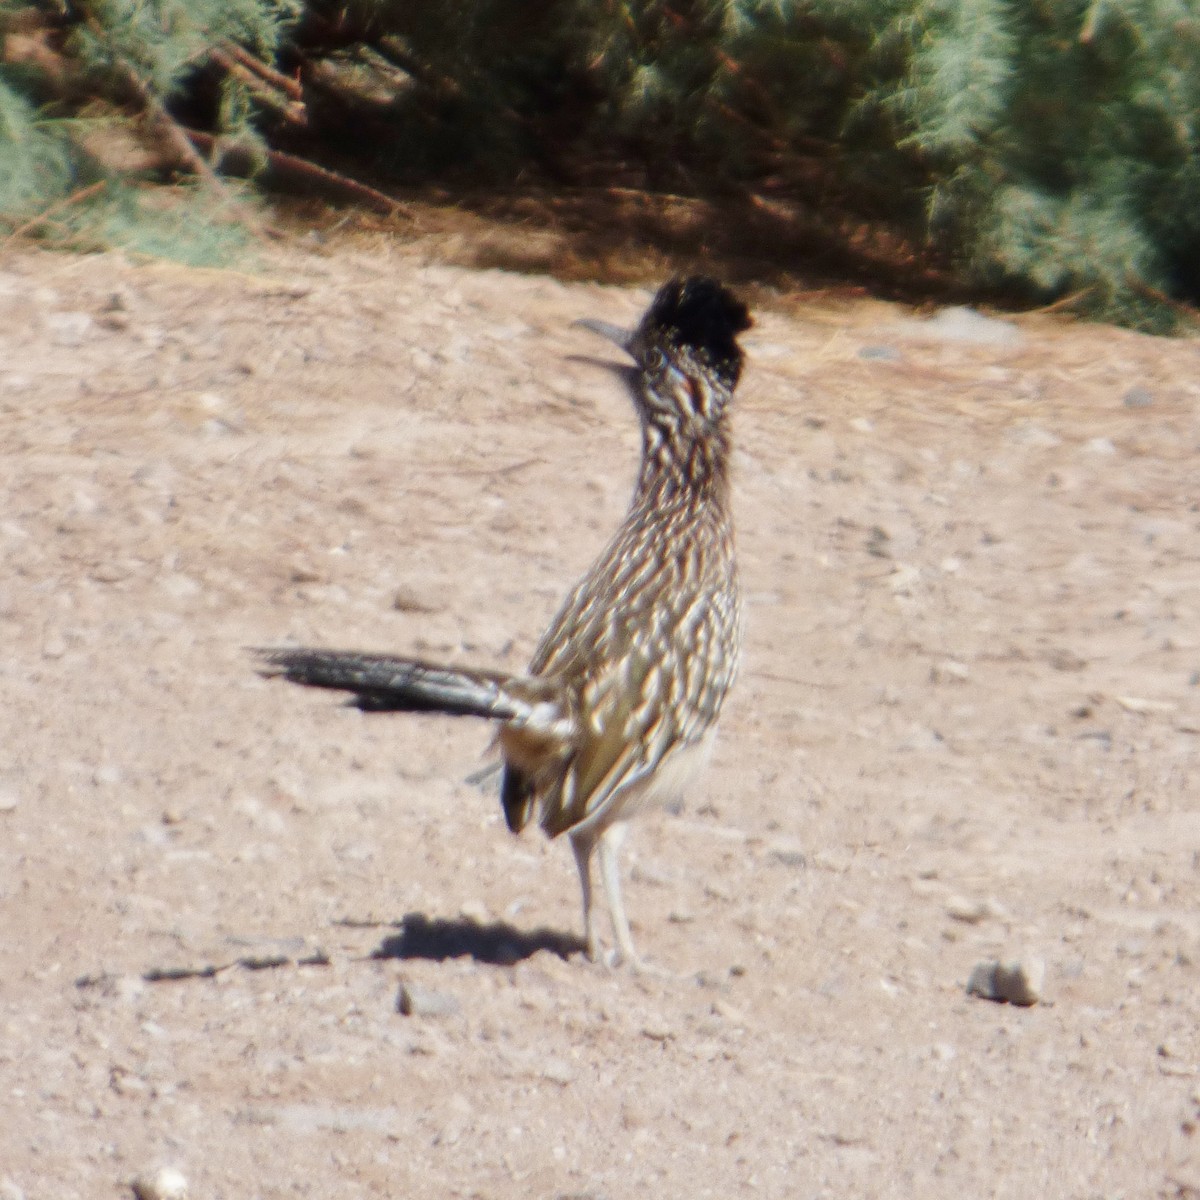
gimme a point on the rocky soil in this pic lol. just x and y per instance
(967, 730)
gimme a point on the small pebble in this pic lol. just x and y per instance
(68, 328)
(558, 1071)
(1030, 434)
(877, 542)
(54, 646)
(949, 671)
(109, 572)
(8, 800)
(967, 910)
(164, 1184)
(475, 910)
(657, 1031)
(407, 599)
(964, 325)
(417, 1001)
(1017, 982)
(729, 1012)
(1138, 397)
(16, 383)
(179, 586)
(788, 852)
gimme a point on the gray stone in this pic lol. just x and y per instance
(966, 909)
(1019, 981)
(415, 1000)
(410, 600)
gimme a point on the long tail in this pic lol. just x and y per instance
(381, 683)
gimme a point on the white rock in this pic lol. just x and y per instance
(54, 646)
(178, 585)
(1030, 434)
(967, 910)
(418, 1001)
(68, 328)
(949, 671)
(964, 325)
(1021, 982)
(166, 1183)
(558, 1070)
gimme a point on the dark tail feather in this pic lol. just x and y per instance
(518, 796)
(381, 683)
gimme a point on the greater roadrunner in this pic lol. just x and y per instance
(617, 709)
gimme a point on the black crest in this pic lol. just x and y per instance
(702, 315)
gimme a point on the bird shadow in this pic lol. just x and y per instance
(496, 942)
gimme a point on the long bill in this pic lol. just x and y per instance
(614, 333)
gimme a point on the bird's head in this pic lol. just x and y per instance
(687, 360)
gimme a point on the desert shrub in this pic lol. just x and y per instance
(1046, 147)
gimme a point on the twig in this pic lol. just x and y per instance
(277, 79)
(290, 110)
(1160, 297)
(395, 51)
(248, 962)
(320, 179)
(170, 974)
(1070, 300)
(48, 213)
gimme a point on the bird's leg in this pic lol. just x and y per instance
(610, 875)
(583, 844)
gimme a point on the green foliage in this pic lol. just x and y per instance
(1048, 146)
(1053, 142)
(48, 185)
(49, 182)
(182, 223)
(38, 161)
(1061, 140)
(166, 40)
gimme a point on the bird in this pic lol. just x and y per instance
(617, 709)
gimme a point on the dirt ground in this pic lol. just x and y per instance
(966, 728)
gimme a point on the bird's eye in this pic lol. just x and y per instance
(655, 360)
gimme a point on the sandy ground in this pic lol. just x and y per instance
(966, 729)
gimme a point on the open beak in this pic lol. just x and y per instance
(614, 333)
